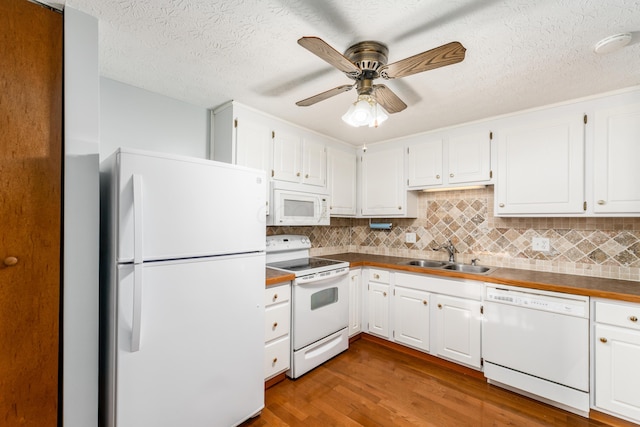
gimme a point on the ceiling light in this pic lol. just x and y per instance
(612, 43)
(365, 112)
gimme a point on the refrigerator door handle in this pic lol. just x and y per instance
(137, 308)
(137, 219)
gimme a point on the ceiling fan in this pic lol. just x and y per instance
(366, 61)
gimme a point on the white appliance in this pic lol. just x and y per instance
(320, 305)
(537, 343)
(182, 290)
(292, 206)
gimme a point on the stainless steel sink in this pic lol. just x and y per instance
(444, 265)
(427, 263)
(467, 268)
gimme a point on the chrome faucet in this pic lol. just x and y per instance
(449, 248)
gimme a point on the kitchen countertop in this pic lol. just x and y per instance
(276, 277)
(623, 290)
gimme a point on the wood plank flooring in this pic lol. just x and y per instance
(372, 385)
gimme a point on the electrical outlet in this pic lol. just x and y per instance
(410, 237)
(540, 244)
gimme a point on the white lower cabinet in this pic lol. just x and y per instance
(411, 317)
(617, 357)
(378, 303)
(437, 315)
(355, 302)
(458, 329)
(277, 329)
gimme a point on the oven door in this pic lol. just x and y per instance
(320, 308)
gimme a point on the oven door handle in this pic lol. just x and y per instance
(317, 279)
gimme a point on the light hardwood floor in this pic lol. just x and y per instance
(372, 385)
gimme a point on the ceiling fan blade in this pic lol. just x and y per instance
(450, 53)
(388, 99)
(324, 95)
(320, 48)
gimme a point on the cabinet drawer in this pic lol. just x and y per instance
(381, 276)
(627, 316)
(277, 321)
(277, 294)
(276, 357)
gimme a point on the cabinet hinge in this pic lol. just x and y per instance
(482, 309)
(273, 173)
(407, 182)
(393, 333)
(394, 292)
(407, 150)
(235, 123)
(584, 205)
(585, 119)
(273, 134)
(490, 135)
(490, 174)
(481, 362)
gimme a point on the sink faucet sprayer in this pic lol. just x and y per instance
(450, 248)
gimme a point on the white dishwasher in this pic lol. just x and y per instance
(537, 343)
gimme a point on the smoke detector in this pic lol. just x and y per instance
(612, 43)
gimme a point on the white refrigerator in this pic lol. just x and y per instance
(181, 291)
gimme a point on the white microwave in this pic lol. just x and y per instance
(295, 207)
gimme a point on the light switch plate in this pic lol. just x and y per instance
(410, 237)
(540, 244)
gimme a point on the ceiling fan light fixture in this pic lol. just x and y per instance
(365, 112)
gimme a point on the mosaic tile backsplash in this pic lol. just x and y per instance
(598, 247)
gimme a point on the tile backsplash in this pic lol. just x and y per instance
(599, 247)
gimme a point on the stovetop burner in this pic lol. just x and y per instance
(303, 264)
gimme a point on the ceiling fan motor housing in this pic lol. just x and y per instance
(368, 56)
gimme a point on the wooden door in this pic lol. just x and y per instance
(30, 208)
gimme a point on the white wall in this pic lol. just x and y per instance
(81, 220)
(136, 118)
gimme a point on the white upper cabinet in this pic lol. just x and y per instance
(616, 177)
(383, 193)
(242, 136)
(299, 157)
(541, 165)
(341, 181)
(452, 158)
(469, 157)
(424, 161)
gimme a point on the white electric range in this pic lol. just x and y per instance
(319, 298)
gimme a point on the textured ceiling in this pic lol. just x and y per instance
(520, 54)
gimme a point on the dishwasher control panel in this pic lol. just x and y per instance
(573, 305)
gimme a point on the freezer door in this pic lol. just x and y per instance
(201, 345)
(179, 207)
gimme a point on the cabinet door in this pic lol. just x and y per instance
(253, 141)
(411, 319)
(342, 182)
(424, 163)
(382, 183)
(541, 166)
(458, 326)
(469, 158)
(617, 352)
(287, 155)
(355, 302)
(379, 309)
(616, 155)
(314, 161)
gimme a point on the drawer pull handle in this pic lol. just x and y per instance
(451, 175)
(275, 297)
(437, 176)
(603, 339)
(275, 325)
(501, 205)
(601, 202)
(633, 318)
(440, 306)
(275, 360)
(384, 294)
(424, 302)
(10, 261)
(376, 276)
